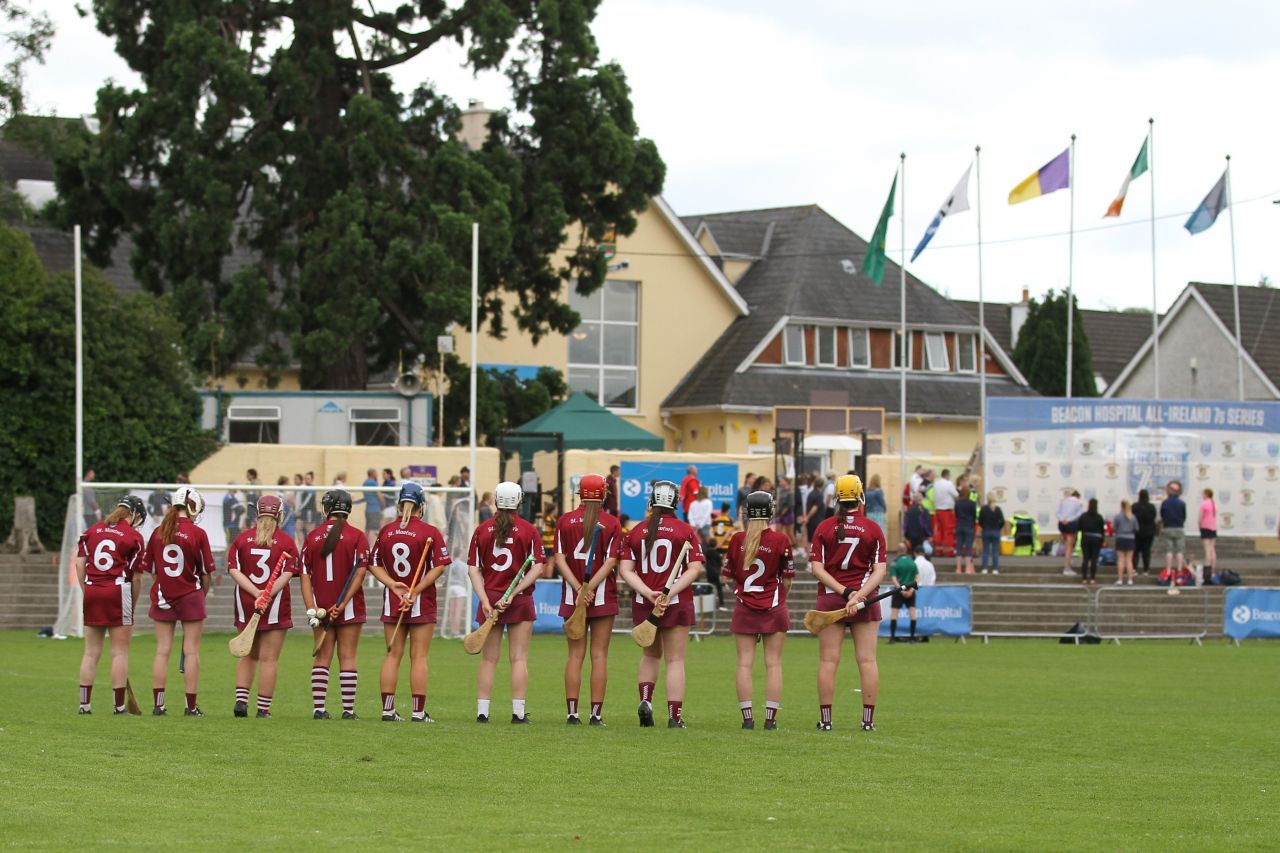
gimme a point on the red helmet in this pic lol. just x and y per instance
(269, 505)
(591, 487)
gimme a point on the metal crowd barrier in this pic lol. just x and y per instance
(1151, 613)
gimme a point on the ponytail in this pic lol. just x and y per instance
(170, 524)
(264, 530)
(651, 526)
(502, 524)
(845, 508)
(331, 539)
(751, 546)
(117, 515)
(590, 515)
(406, 513)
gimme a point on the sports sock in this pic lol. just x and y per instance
(745, 708)
(157, 696)
(388, 702)
(646, 691)
(264, 704)
(191, 701)
(868, 715)
(893, 629)
(517, 707)
(674, 710)
(913, 629)
(419, 703)
(86, 694)
(572, 705)
(319, 686)
(825, 713)
(347, 680)
(117, 696)
(597, 708)
(771, 711)
(242, 695)
(482, 707)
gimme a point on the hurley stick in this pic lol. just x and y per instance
(474, 642)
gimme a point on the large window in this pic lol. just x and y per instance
(967, 353)
(604, 349)
(793, 345)
(859, 348)
(898, 352)
(826, 345)
(253, 425)
(375, 427)
(935, 351)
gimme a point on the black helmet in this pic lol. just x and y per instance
(136, 507)
(760, 505)
(336, 501)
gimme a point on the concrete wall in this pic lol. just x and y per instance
(323, 417)
(1193, 334)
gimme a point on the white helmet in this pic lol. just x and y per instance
(664, 494)
(508, 495)
(188, 497)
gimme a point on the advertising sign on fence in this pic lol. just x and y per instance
(1251, 613)
(721, 480)
(1037, 449)
(546, 604)
(942, 610)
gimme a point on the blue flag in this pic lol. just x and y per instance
(955, 203)
(1214, 203)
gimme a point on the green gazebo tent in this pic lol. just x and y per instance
(585, 425)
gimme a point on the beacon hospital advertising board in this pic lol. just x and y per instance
(1038, 449)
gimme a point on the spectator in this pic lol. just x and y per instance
(916, 486)
(1144, 512)
(723, 528)
(89, 499)
(1093, 530)
(928, 574)
(405, 474)
(372, 505)
(340, 479)
(813, 508)
(549, 519)
(917, 527)
(689, 490)
(624, 524)
(876, 506)
(785, 522)
(1125, 527)
(1173, 518)
(745, 489)
(1069, 512)
(251, 495)
(308, 515)
(159, 501)
(714, 562)
(232, 509)
(486, 507)
(966, 518)
(1209, 534)
(944, 515)
(905, 577)
(182, 479)
(829, 495)
(700, 511)
(288, 506)
(991, 522)
(388, 499)
(613, 488)
(762, 484)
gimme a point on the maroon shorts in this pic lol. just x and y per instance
(608, 608)
(748, 620)
(189, 608)
(832, 601)
(521, 609)
(108, 605)
(423, 611)
(680, 613)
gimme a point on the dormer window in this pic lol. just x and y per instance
(793, 345)
(935, 351)
(826, 345)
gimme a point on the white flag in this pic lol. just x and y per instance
(957, 202)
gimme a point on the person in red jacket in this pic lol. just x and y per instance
(689, 490)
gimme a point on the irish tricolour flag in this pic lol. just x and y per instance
(1139, 166)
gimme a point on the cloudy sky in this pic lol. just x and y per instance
(756, 103)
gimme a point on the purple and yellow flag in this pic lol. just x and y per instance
(1054, 175)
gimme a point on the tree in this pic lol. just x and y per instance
(503, 400)
(26, 36)
(1041, 350)
(297, 205)
(141, 414)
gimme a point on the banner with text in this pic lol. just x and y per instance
(1251, 613)
(1038, 449)
(546, 603)
(721, 480)
(941, 609)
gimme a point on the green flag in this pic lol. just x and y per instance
(873, 263)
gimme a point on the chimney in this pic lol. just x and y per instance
(1017, 316)
(475, 125)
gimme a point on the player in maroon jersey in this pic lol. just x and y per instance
(649, 556)
(108, 560)
(572, 546)
(334, 559)
(499, 548)
(250, 561)
(179, 557)
(759, 565)
(847, 556)
(395, 558)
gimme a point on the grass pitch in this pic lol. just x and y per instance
(1012, 746)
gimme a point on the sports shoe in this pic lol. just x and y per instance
(824, 727)
(521, 721)
(770, 725)
(749, 724)
(192, 712)
(159, 712)
(320, 714)
(241, 709)
(984, 571)
(573, 720)
(349, 715)
(646, 715)
(995, 571)
(676, 724)
(868, 727)
(263, 715)
(86, 712)
(424, 717)
(482, 718)
(595, 721)
(392, 717)
(117, 712)
(1067, 571)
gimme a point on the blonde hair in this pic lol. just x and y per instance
(590, 515)
(751, 546)
(118, 514)
(264, 530)
(1124, 509)
(406, 513)
(170, 523)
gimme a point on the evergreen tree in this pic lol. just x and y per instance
(1041, 351)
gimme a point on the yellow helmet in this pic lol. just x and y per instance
(849, 488)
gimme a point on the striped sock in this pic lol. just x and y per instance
(419, 703)
(674, 710)
(347, 680)
(157, 696)
(646, 691)
(242, 695)
(86, 694)
(868, 715)
(264, 704)
(319, 686)
(745, 708)
(597, 709)
(825, 711)
(388, 702)
(770, 711)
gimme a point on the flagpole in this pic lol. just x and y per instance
(1071, 254)
(1235, 291)
(902, 307)
(982, 318)
(1155, 298)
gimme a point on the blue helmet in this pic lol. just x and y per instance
(413, 493)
